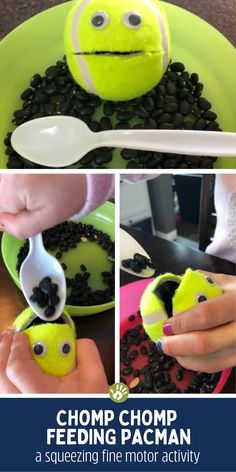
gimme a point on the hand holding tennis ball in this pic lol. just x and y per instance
(169, 295)
(116, 49)
(20, 372)
(52, 344)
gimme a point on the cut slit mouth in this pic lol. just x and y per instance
(34, 320)
(109, 53)
(165, 291)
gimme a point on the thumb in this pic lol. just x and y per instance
(23, 371)
(22, 225)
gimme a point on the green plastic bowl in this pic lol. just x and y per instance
(89, 253)
(38, 43)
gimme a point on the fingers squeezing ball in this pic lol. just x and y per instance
(116, 49)
(52, 344)
(169, 295)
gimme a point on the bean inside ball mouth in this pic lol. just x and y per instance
(165, 291)
(110, 53)
(34, 320)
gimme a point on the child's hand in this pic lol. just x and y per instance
(204, 338)
(19, 373)
(30, 204)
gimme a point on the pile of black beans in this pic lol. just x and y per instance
(138, 263)
(45, 296)
(154, 376)
(175, 103)
(66, 236)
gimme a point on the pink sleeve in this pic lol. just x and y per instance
(100, 187)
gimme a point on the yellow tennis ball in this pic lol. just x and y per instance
(169, 295)
(52, 344)
(116, 49)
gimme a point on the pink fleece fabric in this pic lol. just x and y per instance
(100, 187)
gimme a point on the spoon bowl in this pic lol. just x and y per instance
(39, 264)
(59, 141)
(128, 247)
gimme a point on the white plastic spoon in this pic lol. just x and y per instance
(59, 141)
(37, 265)
(128, 247)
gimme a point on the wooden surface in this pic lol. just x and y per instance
(98, 327)
(173, 257)
(219, 13)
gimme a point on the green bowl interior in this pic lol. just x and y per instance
(89, 253)
(38, 43)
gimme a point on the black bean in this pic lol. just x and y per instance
(83, 268)
(167, 388)
(200, 124)
(171, 107)
(105, 123)
(45, 284)
(124, 115)
(165, 118)
(59, 255)
(94, 126)
(128, 154)
(27, 94)
(194, 78)
(188, 124)
(177, 120)
(209, 115)
(50, 311)
(141, 112)
(122, 125)
(177, 67)
(159, 102)
(40, 97)
(131, 318)
(148, 103)
(36, 80)
(54, 300)
(143, 350)
(150, 123)
(108, 108)
(180, 374)
(184, 107)
(127, 371)
(136, 373)
(204, 104)
(171, 88)
(51, 72)
(206, 164)
(64, 266)
(212, 126)
(103, 157)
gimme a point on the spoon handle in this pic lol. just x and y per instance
(194, 143)
(36, 243)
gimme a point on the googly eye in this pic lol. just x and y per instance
(209, 280)
(132, 19)
(201, 297)
(65, 348)
(100, 20)
(40, 348)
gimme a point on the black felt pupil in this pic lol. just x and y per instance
(66, 348)
(134, 19)
(201, 298)
(98, 20)
(38, 349)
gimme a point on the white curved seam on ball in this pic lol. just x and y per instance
(82, 64)
(154, 318)
(164, 36)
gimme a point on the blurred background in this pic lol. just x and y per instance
(176, 207)
(219, 13)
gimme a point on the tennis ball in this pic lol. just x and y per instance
(52, 344)
(169, 295)
(116, 49)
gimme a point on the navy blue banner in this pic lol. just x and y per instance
(65, 434)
